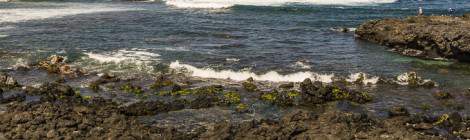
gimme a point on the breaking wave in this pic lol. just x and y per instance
(24, 14)
(132, 56)
(229, 3)
(121, 60)
(363, 77)
(272, 76)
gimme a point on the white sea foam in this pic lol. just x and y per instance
(366, 79)
(137, 56)
(21, 63)
(58, 10)
(121, 61)
(232, 59)
(352, 29)
(404, 78)
(230, 3)
(243, 75)
(302, 64)
(176, 49)
(3, 36)
(6, 27)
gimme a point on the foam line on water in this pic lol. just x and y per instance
(272, 76)
(363, 77)
(229, 3)
(137, 56)
(14, 15)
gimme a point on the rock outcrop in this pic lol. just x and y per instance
(429, 37)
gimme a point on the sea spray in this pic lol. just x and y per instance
(362, 78)
(125, 59)
(272, 76)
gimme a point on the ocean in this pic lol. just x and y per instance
(272, 40)
(284, 40)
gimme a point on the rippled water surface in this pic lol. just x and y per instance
(277, 41)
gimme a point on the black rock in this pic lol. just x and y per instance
(287, 86)
(442, 95)
(398, 111)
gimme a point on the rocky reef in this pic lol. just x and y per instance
(107, 106)
(429, 37)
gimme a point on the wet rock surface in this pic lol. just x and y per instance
(170, 107)
(430, 37)
(62, 114)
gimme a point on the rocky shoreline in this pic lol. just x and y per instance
(429, 37)
(56, 109)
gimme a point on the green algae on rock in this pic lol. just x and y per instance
(318, 93)
(130, 88)
(232, 97)
(249, 85)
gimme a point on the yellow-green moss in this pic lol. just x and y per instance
(442, 119)
(242, 107)
(425, 107)
(365, 96)
(94, 86)
(269, 97)
(232, 97)
(183, 92)
(209, 90)
(293, 93)
(129, 88)
(87, 97)
(249, 86)
(339, 94)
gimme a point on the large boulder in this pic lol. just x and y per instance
(430, 37)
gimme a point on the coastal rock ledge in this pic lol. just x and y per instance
(429, 37)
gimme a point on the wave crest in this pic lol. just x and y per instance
(272, 76)
(229, 3)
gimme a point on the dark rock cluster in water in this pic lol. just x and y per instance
(431, 37)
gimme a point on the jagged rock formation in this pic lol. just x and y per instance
(429, 37)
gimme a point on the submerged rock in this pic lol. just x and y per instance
(398, 111)
(11, 97)
(103, 79)
(442, 95)
(429, 37)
